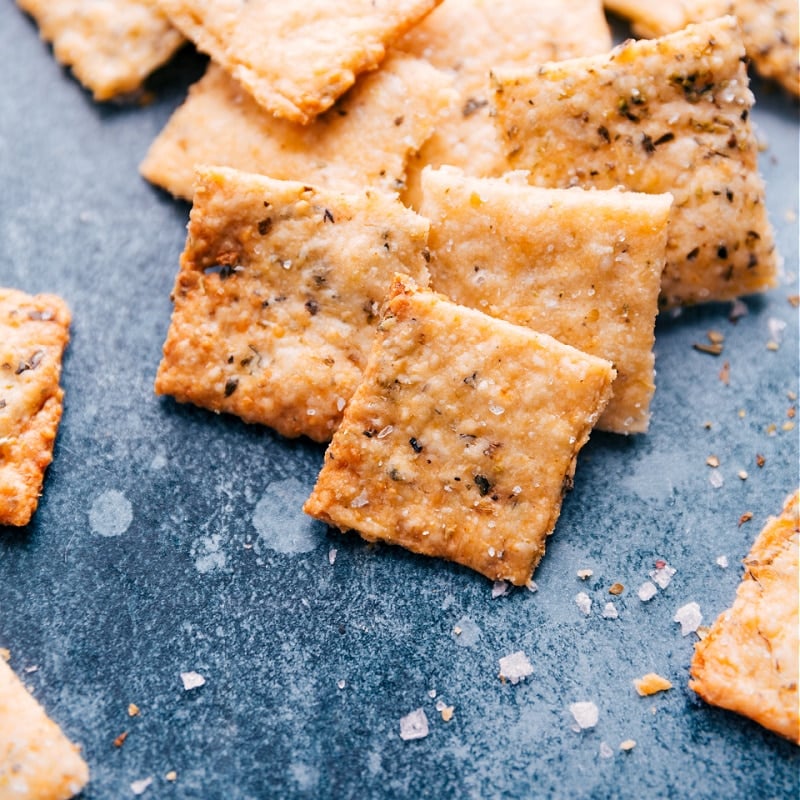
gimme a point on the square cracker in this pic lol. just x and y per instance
(34, 331)
(771, 29)
(278, 297)
(582, 266)
(748, 662)
(364, 140)
(661, 115)
(463, 436)
(111, 45)
(296, 58)
(36, 759)
(466, 39)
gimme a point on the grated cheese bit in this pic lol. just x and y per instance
(171, 776)
(414, 725)
(515, 667)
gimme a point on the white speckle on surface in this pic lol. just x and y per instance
(332, 555)
(141, 786)
(716, 480)
(585, 713)
(532, 586)
(279, 519)
(160, 460)
(414, 725)
(606, 751)
(467, 633)
(515, 667)
(662, 575)
(584, 603)
(610, 611)
(432, 695)
(689, 617)
(305, 776)
(209, 555)
(192, 680)
(647, 591)
(111, 513)
(340, 684)
(583, 574)
(777, 328)
(499, 588)
(722, 561)
(360, 501)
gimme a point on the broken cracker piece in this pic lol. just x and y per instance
(34, 331)
(279, 295)
(662, 115)
(770, 29)
(651, 683)
(36, 759)
(748, 662)
(111, 45)
(296, 59)
(365, 140)
(463, 436)
(582, 266)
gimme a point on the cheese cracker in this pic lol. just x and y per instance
(364, 140)
(748, 662)
(36, 759)
(770, 28)
(582, 266)
(463, 436)
(33, 334)
(278, 297)
(661, 115)
(296, 59)
(111, 45)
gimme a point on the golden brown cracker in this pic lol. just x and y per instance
(296, 59)
(582, 266)
(365, 140)
(770, 28)
(748, 662)
(34, 331)
(463, 436)
(278, 297)
(662, 115)
(36, 759)
(111, 45)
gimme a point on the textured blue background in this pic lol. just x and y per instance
(203, 509)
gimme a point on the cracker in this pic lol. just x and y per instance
(365, 140)
(771, 29)
(36, 759)
(662, 115)
(34, 331)
(296, 59)
(111, 45)
(466, 39)
(278, 297)
(463, 436)
(748, 662)
(581, 266)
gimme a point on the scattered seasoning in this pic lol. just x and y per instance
(332, 555)
(360, 501)
(192, 680)
(722, 561)
(472, 105)
(738, 310)
(414, 725)
(499, 589)
(616, 588)
(515, 667)
(482, 482)
(31, 363)
(710, 349)
(627, 745)
(230, 386)
(662, 574)
(760, 460)
(610, 611)
(716, 337)
(328, 216)
(583, 574)
(794, 300)
(133, 710)
(171, 776)
(647, 591)
(120, 740)
(689, 617)
(742, 475)
(415, 445)
(712, 461)
(716, 480)
(585, 713)
(725, 373)
(746, 517)
(652, 683)
(584, 603)
(606, 751)
(141, 786)
(341, 683)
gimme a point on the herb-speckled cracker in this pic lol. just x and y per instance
(111, 45)
(662, 115)
(278, 297)
(463, 436)
(466, 39)
(296, 58)
(748, 662)
(582, 266)
(364, 140)
(770, 28)
(37, 762)
(34, 331)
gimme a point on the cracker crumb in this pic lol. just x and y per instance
(709, 349)
(192, 680)
(171, 776)
(585, 713)
(689, 617)
(746, 517)
(616, 589)
(651, 683)
(120, 740)
(584, 603)
(414, 725)
(133, 710)
(457, 630)
(647, 591)
(627, 745)
(515, 667)
(141, 786)
(716, 337)
(712, 461)
(532, 586)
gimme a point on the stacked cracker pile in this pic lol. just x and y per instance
(437, 235)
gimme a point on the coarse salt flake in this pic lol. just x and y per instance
(499, 588)
(141, 786)
(192, 680)
(360, 501)
(606, 751)
(647, 591)
(585, 713)
(689, 617)
(662, 575)
(583, 574)
(610, 611)
(716, 480)
(332, 555)
(515, 667)
(722, 561)
(414, 725)
(584, 603)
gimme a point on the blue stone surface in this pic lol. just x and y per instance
(170, 540)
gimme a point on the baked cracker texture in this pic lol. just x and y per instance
(770, 28)
(37, 762)
(662, 115)
(278, 297)
(296, 58)
(365, 140)
(466, 39)
(111, 45)
(463, 436)
(582, 266)
(34, 331)
(748, 662)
